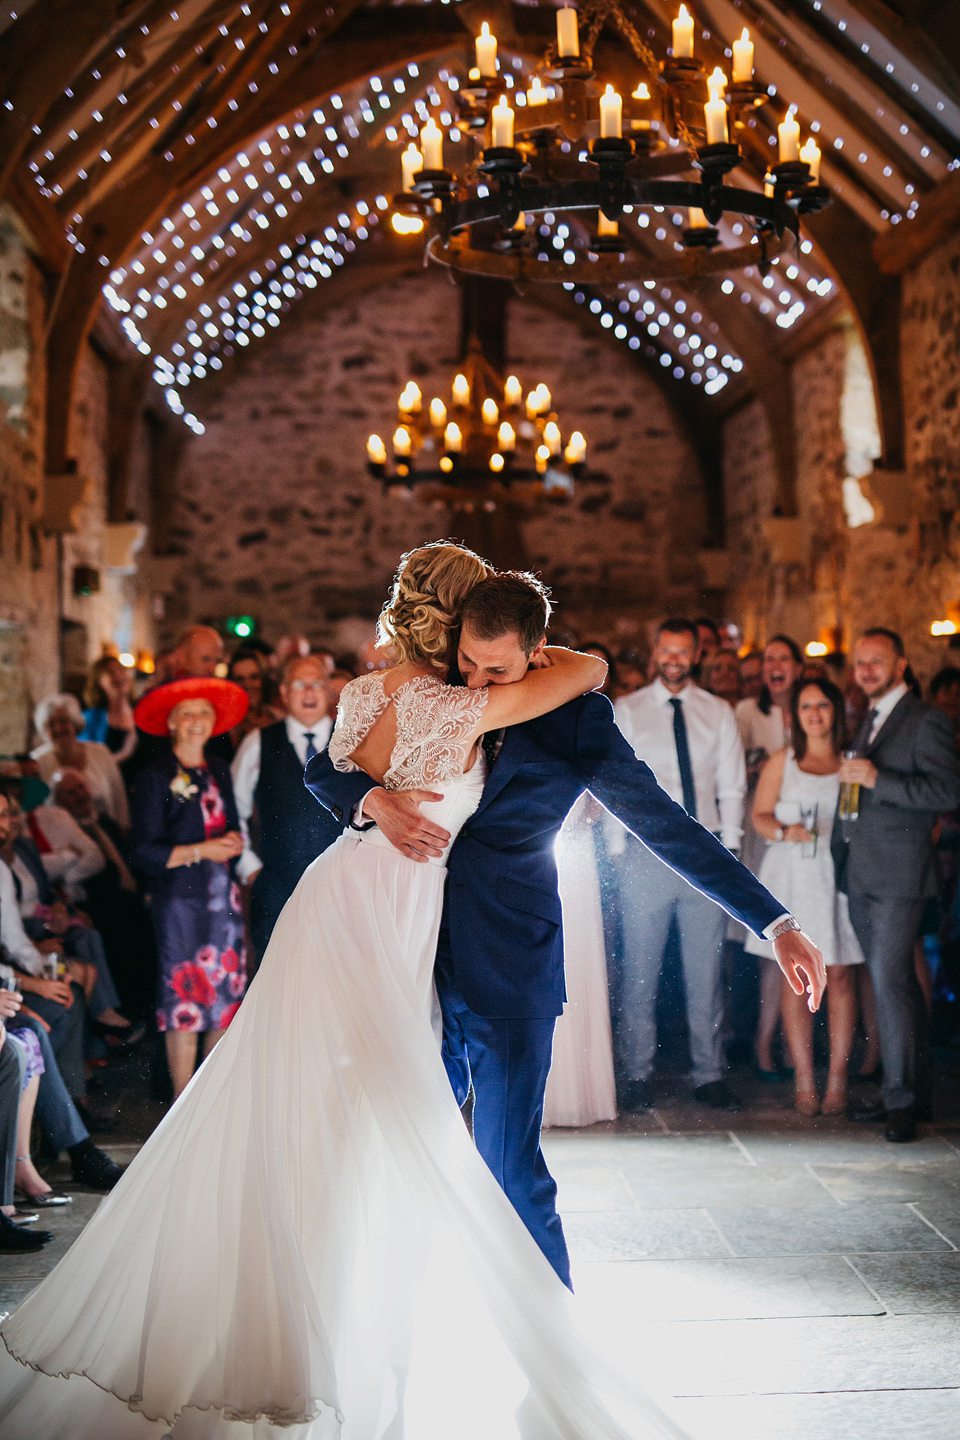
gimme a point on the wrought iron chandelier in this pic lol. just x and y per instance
(570, 144)
(489, 444)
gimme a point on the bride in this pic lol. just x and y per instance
(309, 1244)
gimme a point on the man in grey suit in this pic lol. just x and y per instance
(907, 770)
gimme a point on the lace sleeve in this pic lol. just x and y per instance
(361, 703)
(436, 724)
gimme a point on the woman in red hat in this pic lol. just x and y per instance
(185, 838)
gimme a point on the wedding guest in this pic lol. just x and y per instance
(945, 694)
(197, 654)
(631, 672)
(764, 725)
(335, 684)
(751, 675)
(15, 1079)
(708, 637)
(268, 777)
(689, 739)
(248, 669)
(793, 810)
(596, 647)
(60, 721)
(108, 709)
(907, 773)
(721, 676)
(186, 836)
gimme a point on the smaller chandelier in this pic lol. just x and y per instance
(488, 440)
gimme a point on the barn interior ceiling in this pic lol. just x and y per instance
(193, 171)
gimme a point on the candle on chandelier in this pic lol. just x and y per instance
(743, 59)
(411, 401)
(545, 398)
(683, 35)
(512, 391)
(568, 33)
(788, 133)
(537, 94)
(402, 443)
(506, 436)
(376, 451)
(496, 463)
(611, 114)
(542, 459)
(486, 52)
(411, 163)
(811, 155)
(716, 82)
(501, 122)
(642, 91)
(696, 220)
(490, 412)
(521, 222)
(576, 451)
(438, 414)
(605, 226)
(461, 390)
(431, 145)
(452, 439)
(715, 113)
(551, 437)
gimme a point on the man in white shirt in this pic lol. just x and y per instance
(268, 777)
(689, 739)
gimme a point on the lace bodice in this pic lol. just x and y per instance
(434, 724)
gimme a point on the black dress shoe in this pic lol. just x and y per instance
(12, 1238)
(901, 1126)
(867, 1112)
(718, 1096)
(93, 1168)
(96, 1124)
(637, 1097)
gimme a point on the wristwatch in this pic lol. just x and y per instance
(784, 926)
(779, 835)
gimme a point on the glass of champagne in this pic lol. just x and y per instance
(848, 806)
(808, 819)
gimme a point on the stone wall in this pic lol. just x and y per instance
(275, 516)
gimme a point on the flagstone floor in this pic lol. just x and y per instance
(768, 1277)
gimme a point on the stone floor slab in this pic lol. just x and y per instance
(591, 1187)
(903, 1178)
(641, 1235)
(836, 1143)
(660, 1186)
(874, 1415)
(913, 1284)
(824, 1230)
(945, 1215)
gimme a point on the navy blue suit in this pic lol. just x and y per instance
(500, 958)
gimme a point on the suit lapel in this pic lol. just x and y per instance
(508, 763)
(898, 715)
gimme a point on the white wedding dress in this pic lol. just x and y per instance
(309, 1246)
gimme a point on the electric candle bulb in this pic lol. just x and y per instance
(537, 94)
(533, 405)
(506, 436)
(642, 91)
(490, 412)
(716, 82)
(605, 226)
(743, 59)
(461, 390)
(414, 398)
(715, 113)
(545, 399)
(376, 451)
(512, 391)
(811, 155)
(486, 52)
(402, 444)
(496, 463)
(438, 414)
(788, 133)
(576, 451)
(543, 459)
(501, 120)
(431, 145)
(611, 114)
(768, 189)
(551, 437)
(452, 439)
(696, 220)
(568, 33)
(446, 464)
(411, 163)
(683, 35)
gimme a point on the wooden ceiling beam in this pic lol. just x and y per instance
(938, 219)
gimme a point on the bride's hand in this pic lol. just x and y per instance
(397, 813)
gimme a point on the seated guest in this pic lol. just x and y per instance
(60, 721)
(114, 903)
(248, 670)
(185, 839)
(107, 707)
(13, 1083)
(794, 807)
(268, 776)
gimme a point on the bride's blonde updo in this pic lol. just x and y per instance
(432, 583)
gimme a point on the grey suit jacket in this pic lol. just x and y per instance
(889, 849)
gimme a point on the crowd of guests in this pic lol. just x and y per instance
(150, 839)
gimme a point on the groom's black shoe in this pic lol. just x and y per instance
(718, 1096)
(637, 1097)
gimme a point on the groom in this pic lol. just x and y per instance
(499, 969)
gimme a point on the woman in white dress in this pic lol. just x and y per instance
(309, 1246)
(794, 808)
(581, 1088)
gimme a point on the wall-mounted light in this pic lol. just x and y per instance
(815, 648)
(944, 627)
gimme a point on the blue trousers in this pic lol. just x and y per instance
(508, 1062)
(56, 1113)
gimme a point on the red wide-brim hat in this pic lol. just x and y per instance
(229, 701)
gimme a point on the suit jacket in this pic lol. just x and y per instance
(888, 850)
(501, 897)
(159, 820)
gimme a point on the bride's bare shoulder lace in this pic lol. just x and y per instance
(435, 723)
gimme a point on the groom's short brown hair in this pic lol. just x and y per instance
(513, 603)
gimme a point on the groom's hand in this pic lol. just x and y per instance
(397, 813)
(802, 964)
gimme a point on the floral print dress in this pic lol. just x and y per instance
(200, 938)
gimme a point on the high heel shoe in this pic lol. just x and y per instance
(806, 1100)
(836, 1099)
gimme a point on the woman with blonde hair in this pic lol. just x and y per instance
(60, 721)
